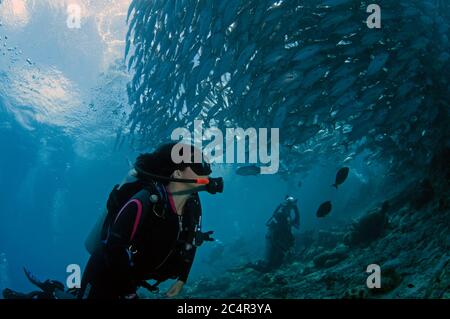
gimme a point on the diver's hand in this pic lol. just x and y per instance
(200, 237)
(175, 289)
(207, 236)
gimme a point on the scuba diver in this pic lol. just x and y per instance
(152, 227)
(279, 238)
(49, 289)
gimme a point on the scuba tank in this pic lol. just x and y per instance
(94, 238)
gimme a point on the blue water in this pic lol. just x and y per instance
(63, 100)
(51, 198)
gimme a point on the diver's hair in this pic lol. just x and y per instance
(160, 161)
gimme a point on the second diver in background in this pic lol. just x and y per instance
(279, 237)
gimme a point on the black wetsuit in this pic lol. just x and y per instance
(155, 244)
(279, 238)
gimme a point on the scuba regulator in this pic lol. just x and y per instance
(211, 185)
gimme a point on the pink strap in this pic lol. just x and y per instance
(172, 203)
(138, 216)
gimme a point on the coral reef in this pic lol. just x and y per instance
(408, 236)
(368, 228)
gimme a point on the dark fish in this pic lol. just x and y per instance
(248, 170)
(324, 209)
(341, 176)
(299, 184)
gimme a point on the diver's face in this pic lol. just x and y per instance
(188, 173)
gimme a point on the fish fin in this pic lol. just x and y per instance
(334, 185)
(32, 278)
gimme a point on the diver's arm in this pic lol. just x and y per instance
(296, 222)
(117, 247)
(186, 266)
(182, 276)
(270, 221)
